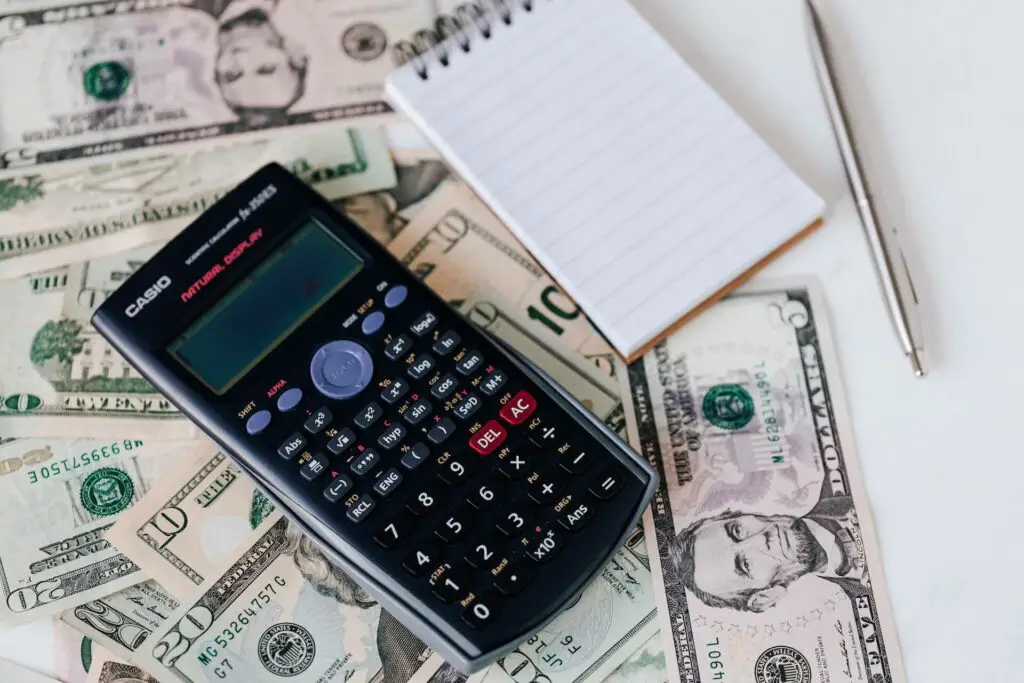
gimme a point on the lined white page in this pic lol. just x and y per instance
(632, 182)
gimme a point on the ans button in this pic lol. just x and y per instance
(341, 369)
(289, 399)
(395, 296)
(258, 422)
(373, 322)
(573, 518)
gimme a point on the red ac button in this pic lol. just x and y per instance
(488, 438)
(519, 409)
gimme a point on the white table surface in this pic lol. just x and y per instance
(936, 94)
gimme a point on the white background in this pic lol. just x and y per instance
(935, 91)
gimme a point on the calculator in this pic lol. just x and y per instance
(464, 489)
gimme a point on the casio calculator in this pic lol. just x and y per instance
(462, 487)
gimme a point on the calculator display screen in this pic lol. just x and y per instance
(259, 312)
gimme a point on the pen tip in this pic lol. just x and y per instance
(916, 357)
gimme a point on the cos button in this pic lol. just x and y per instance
(341, 369)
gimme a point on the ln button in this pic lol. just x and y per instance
(519, 409)
(488, 438)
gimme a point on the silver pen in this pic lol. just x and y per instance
(889, 262)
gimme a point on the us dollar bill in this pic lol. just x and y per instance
(109, 668)
(59, 376)
(122, 621)
(280, 610)
(455, 245)
(60, 497)
(72, 653)
(760, 534)
(139, 77)
(191, 522)
(646, 665)
(77, 212)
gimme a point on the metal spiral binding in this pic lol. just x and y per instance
(467, 19)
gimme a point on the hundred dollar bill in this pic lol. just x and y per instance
(121, 621)
(110, 668)
(140, 77)
(455, 244)
(760, 533)
(280, 610)
(59, 498)
(192, 522)
(76, 212)
(9, 671)
(59, 376)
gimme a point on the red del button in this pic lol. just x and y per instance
(488, 438)
(519, 408)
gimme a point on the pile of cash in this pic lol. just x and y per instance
(122, 122)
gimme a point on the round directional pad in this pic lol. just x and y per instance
(341, 369)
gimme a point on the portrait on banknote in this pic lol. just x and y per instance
(384, 214)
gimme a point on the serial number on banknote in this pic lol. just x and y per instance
(241, 620)
(65, 464)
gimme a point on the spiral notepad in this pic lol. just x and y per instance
(628, 178)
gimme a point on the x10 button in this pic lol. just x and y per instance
(544, 545)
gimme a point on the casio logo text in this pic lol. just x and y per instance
(148, 296)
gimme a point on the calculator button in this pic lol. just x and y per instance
(292, 447)
(341, 369)
(447, 343)
(258, 422)
(493, 382)
(544, 545)
(544, 433)
(489, 437)
(365, 462)
(422, 502)
(391, 436)
(519, 409)
(481, 612)
(394, 391)
(470, 363)
(450, 586)
(387, 482)
(417, 411)
(469, 404)
(483, 555)
(516, 520)
(398, 346)
(289, 399)
(513, 578)
(415, 457)
(395, 296)
(441, 431)
(394, 532)
(444, 387)
(573, 517)
(421, 366)
(574, 461)
(338, 444)
(337, 489)
(373, 322)
(456, 468)
(318, 421)
(314, 467)
(606, 485)
(424, 558)
(545, 489)
(487, 495)
(424, 324)
(370, 413)
(361, 507)
(455, 526)
(516, 465)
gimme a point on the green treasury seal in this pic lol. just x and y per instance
(782, 664)
(106, 81)
(107, 491)
(728, 406)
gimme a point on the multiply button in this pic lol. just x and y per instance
(489, 437)
(258, 422)
(519, 409)
(341, 369)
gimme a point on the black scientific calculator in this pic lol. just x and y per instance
(462, 487)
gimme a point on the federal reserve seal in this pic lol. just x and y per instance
(107, 491)
(106, 81)
(286, 649)
(782, 664)
(728, 406)
(364, 41)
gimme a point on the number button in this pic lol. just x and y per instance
(469, 404)
(484, 555)
(456, 526)
(421, 366)
(469, 363)
(606, 485)
(444, 387)
(487, 495)
(415, 457)
(370, 413)
(424, 324)
(340, 443)
(314, 467)
(365, 462)
(387, 482)
(391, 436)
(513, 578)
(337, 489)
(516, 520)
(481, 612)
(417, 411)
(441, 431)
(394, 391)
(423, 558)
(292, 447)
(398, 347)
(493, 382)
(447, 343)
(318, 421)
(450, 586)
(423, 501)
(394, 532)
(454, 469)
